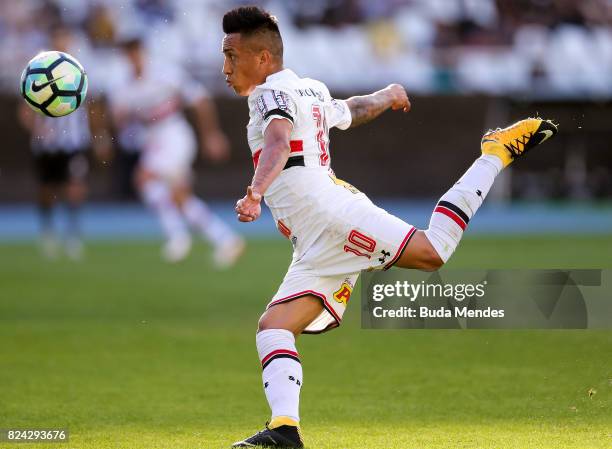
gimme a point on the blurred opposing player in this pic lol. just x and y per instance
(151, 103)
(336, 231)
(59, 145)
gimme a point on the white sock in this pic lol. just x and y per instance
(457, 206)
(282, 371)
(158, 197)
(200, 217)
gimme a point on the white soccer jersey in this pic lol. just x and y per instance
(150, 108)
(307, 104)
(67, 134)
(157, 95)
(296, 198)
(335, 229)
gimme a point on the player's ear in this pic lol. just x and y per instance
(265, 57)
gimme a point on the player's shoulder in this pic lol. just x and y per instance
(292, 84)
(272, 87)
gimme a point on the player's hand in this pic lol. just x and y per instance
(249, 207)
(399, 97)
(215, 146)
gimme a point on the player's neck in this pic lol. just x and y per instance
(273, 70)
(264, 76)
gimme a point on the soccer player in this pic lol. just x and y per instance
(151, 104)
(336, 231)
(59, 145)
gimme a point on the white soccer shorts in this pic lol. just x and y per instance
(170, 150)
(365, 237)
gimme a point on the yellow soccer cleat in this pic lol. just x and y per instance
(516, 140)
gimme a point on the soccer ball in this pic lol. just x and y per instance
(54, 83)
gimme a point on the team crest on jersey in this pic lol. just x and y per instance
(343, 294)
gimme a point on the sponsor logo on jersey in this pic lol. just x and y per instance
(343, 294)
(384, 256)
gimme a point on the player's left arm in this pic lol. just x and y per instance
(366, 108)
(272, 159)
(215, 144)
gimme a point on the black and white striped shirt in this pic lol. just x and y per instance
(67, 134)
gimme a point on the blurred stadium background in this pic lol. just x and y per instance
(468, 65)
(124, 348)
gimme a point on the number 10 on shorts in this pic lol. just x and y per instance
(362, 242)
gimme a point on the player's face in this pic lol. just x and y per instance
(60, 40)
(241, 65)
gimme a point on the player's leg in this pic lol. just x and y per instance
(75, 191)
(278, 328)
(228, 245)
(48, 238)
(293, 316)
(46, 199)
(421, 256)
(431, 248)
(281, 368)
(157, 195)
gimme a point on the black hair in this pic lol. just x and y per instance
(254, 21)
(248, 20)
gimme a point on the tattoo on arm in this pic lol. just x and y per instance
(366, 108)
(274, 154)
(271, 162)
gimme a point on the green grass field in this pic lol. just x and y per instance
(127, 352)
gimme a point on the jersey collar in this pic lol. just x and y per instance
(283, 74)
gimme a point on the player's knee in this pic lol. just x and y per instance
(270, 321)
(431, 259)
(264, 323)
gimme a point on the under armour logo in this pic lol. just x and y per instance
(293, 379)
(478, 192)
(385, 254)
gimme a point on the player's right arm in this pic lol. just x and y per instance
(366, 108)
(100, 128)
(272, 159)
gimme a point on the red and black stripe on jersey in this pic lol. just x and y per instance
(453, 212)
(279, 354)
